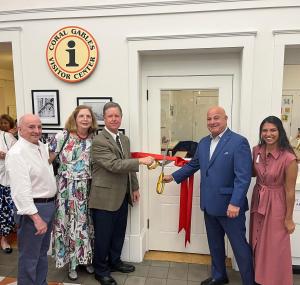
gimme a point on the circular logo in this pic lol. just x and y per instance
(72, 54)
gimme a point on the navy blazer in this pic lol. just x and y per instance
(225, 178)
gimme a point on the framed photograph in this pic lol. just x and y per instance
(101, 128)
(48, 134)
(45, 104)
(97, 104)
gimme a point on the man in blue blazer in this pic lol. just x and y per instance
(224, 160)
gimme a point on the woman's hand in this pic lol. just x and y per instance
(52, 156)
(289, 225)
(2, 155)
(290, 183)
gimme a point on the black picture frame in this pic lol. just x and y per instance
(97, 104)
(48, 134)
(45, 104)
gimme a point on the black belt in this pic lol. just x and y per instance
(44, 200)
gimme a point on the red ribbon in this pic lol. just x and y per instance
(186, 192)
(179, 161)
(185, 213)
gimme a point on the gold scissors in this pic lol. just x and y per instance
(160, 186)
(153, 165)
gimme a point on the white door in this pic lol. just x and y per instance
(164, 209)
(290, 115)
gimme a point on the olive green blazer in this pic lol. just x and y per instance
(113, 175)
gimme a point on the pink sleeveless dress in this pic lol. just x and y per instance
(268, 237)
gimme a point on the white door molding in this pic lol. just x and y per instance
(282, 39)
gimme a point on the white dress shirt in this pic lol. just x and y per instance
(214, 142)
(114, 136)
(30, 175)
(6, 142)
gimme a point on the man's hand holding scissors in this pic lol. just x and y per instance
(168, 178)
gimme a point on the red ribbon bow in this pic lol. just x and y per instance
(186, 192)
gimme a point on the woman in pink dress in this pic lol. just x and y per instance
(273, 198)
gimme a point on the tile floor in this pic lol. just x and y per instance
(147, 273)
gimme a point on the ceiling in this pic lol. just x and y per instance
(6, 61)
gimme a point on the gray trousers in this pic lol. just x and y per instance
(33, 261)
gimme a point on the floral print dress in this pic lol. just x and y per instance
(73, 231)
(7, 223)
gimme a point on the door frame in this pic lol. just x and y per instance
(155, 84)
(136, 242)
(12, 34)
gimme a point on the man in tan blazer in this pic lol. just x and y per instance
(114, 185)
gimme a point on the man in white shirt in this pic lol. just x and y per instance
(33, 191)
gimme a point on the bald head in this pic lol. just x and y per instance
(216, 110)
(216, 120)
(30, 128)
(28, 117)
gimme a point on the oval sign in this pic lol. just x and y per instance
(72, 54)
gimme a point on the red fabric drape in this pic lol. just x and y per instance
(186, 193)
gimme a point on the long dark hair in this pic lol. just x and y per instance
(283, 141)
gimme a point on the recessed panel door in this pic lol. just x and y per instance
(177, 109)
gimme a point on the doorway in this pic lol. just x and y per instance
(7, 85)
(176, 109)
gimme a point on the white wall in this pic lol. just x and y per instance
(111, 34)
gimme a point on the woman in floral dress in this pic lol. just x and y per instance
(6, 204)
(72, 233)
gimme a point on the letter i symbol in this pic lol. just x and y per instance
(71, 51)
